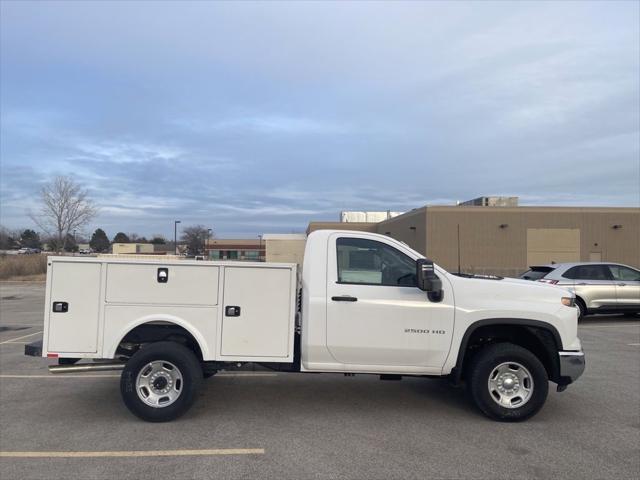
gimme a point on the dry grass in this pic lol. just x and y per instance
(23, 267)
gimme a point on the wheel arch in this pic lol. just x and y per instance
(580, 300)
(159, 328)
(540, 337)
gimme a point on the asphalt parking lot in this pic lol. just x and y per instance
(269, 425)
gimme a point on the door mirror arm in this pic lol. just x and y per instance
(428, 281)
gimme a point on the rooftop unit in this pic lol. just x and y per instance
(491, 202)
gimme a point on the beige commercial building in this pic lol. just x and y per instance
(504, 240)
(235, 249)
(284, 248)
(132, 248)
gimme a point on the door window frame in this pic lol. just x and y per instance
(337, 272)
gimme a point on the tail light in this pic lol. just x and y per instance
(545, 280)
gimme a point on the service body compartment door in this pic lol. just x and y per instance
(257, 312)
(74, 308)
(183, 284)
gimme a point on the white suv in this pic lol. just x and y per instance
(599, 287)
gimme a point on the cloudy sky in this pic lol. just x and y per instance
(258, 117)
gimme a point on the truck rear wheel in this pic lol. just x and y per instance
(160, 381)
(507, 382)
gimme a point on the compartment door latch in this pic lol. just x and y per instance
(163, 275)
(60, 307)
(232, 311)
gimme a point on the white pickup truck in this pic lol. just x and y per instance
(365, 303)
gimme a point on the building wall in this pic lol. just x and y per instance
(131, 248)
(485, 247)
(527, 233)
(409, 228)
(235, 249)
(285, 248)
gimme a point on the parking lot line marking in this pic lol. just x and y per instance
(20, 325)
(634, 344)
(60, 376)
(18, 338)
(136, 453)
(618, 325)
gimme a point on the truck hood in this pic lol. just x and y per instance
(510, 288)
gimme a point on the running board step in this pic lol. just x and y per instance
(87, 367)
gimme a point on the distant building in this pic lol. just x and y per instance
(367, 217)
(285, 248)
(491, 202)
(132, 248)
(235, 249)
(505, 240)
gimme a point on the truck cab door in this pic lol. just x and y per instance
(376, 314)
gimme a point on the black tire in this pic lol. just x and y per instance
(208, 371)
(582, 308)
(188, 367)
(488, 359)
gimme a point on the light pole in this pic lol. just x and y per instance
(175, 235)
(209, 231)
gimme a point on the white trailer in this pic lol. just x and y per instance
(365, 303)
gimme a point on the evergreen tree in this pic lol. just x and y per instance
(30, 239)
(99, 241)
(121, 237)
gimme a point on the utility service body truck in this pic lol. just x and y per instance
(365, 303)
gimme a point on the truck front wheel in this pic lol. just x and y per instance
(507, 382)
(160, 382)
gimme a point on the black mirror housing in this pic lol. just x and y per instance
(427, 279)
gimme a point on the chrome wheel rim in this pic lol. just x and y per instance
(510, 385)
(159, 384)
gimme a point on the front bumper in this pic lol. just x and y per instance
(572, 365)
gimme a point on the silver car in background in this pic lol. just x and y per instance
(599, 287)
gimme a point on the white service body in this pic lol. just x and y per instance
(109, 297)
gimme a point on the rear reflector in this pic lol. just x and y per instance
(52, 355)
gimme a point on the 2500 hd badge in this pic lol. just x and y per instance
(423, 330)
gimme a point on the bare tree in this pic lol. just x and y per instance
(195, 237)
(66, 207)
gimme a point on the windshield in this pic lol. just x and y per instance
(536, 273)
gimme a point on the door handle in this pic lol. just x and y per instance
(622, 284)
(581, 283)
(60, 307)
(344, 298)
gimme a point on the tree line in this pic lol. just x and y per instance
(65, 208)
(99, 241)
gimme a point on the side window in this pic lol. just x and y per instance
(624, 273)
(368, 262)
(588, 272)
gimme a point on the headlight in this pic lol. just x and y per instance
(568, 301)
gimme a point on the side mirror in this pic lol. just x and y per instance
(428, 281)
